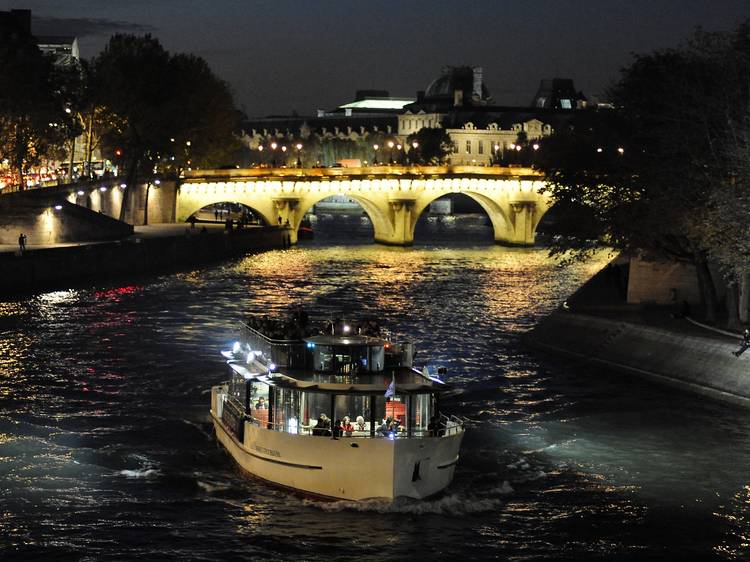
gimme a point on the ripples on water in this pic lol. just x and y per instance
(106, 451)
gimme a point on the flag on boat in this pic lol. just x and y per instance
(391, 390)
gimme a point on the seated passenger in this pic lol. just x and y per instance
(347, 427)
(338, 429)
(385, 427)
(360, 425)
(323, 427)
(261, 404)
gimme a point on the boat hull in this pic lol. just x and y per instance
(350, 468)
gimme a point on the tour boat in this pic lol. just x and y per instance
(278, 413)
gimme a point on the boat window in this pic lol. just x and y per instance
(376, 362)
(259, 396)
(340, 359)
(353, 406)
(312, 404)
(286, 413)
(420, 414)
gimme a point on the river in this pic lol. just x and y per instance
(107, 453)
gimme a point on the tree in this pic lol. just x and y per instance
(433, 146)
(33, 123)
(175, 112)
(655, 172)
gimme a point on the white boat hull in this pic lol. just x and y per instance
(350, 468)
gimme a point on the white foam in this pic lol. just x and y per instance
(453, 504)
(140, 473)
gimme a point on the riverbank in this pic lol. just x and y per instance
(647, 341)
(151, 249)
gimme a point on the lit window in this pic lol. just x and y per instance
(565, 103)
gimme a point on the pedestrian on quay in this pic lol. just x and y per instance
(744, 343)
(21, 243)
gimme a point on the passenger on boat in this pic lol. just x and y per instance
(360, 425)
(432, 427)
(347, 427)
(323, 427)
(338, 429)
(389, 427)
(261, 404)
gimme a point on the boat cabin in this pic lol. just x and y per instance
(304, 386)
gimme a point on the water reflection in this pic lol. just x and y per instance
(105, 444)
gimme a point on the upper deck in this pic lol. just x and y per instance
(332, 363)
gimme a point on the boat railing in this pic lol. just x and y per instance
(283, 353)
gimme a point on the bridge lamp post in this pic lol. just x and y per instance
(415, 146)
(298, 146)
(398, 152)
(283, 157)
(390, 152)
(273, 151)
(375, 158)
(260, 155)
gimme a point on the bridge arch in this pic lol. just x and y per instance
(197, 213)
(371, 207)
(498, 218)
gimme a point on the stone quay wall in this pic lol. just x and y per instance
(62, 266)
(703, 365)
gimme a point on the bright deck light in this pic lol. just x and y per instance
(58, 207)
(236, 347)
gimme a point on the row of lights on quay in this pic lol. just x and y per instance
(103, 189)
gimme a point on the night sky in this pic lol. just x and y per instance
(281, 56)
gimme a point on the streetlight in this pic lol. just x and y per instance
(283, 157)
(414, 146)
(375, 158)
(398, 151)
(273, 149)
(390, 152)
(299, 151)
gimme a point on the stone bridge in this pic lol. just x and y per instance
(392, 196)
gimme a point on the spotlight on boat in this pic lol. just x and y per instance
(271, 367)
(236, 347)
(80, 192)
(346, 328)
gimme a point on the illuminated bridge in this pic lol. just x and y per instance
(392, 196)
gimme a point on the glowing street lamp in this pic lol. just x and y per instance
(273, 151)
(283, 156)
(375, 158)
(390, 152)
(298, 146)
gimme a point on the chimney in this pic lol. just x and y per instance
(476, 91)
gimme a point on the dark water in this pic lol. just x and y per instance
(106, 452)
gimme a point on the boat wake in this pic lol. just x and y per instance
(450, 504)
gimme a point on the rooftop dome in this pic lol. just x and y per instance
(464, 78)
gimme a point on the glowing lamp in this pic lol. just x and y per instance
(236, 347)
(80, 192)
(58, 207)
(102, 189)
